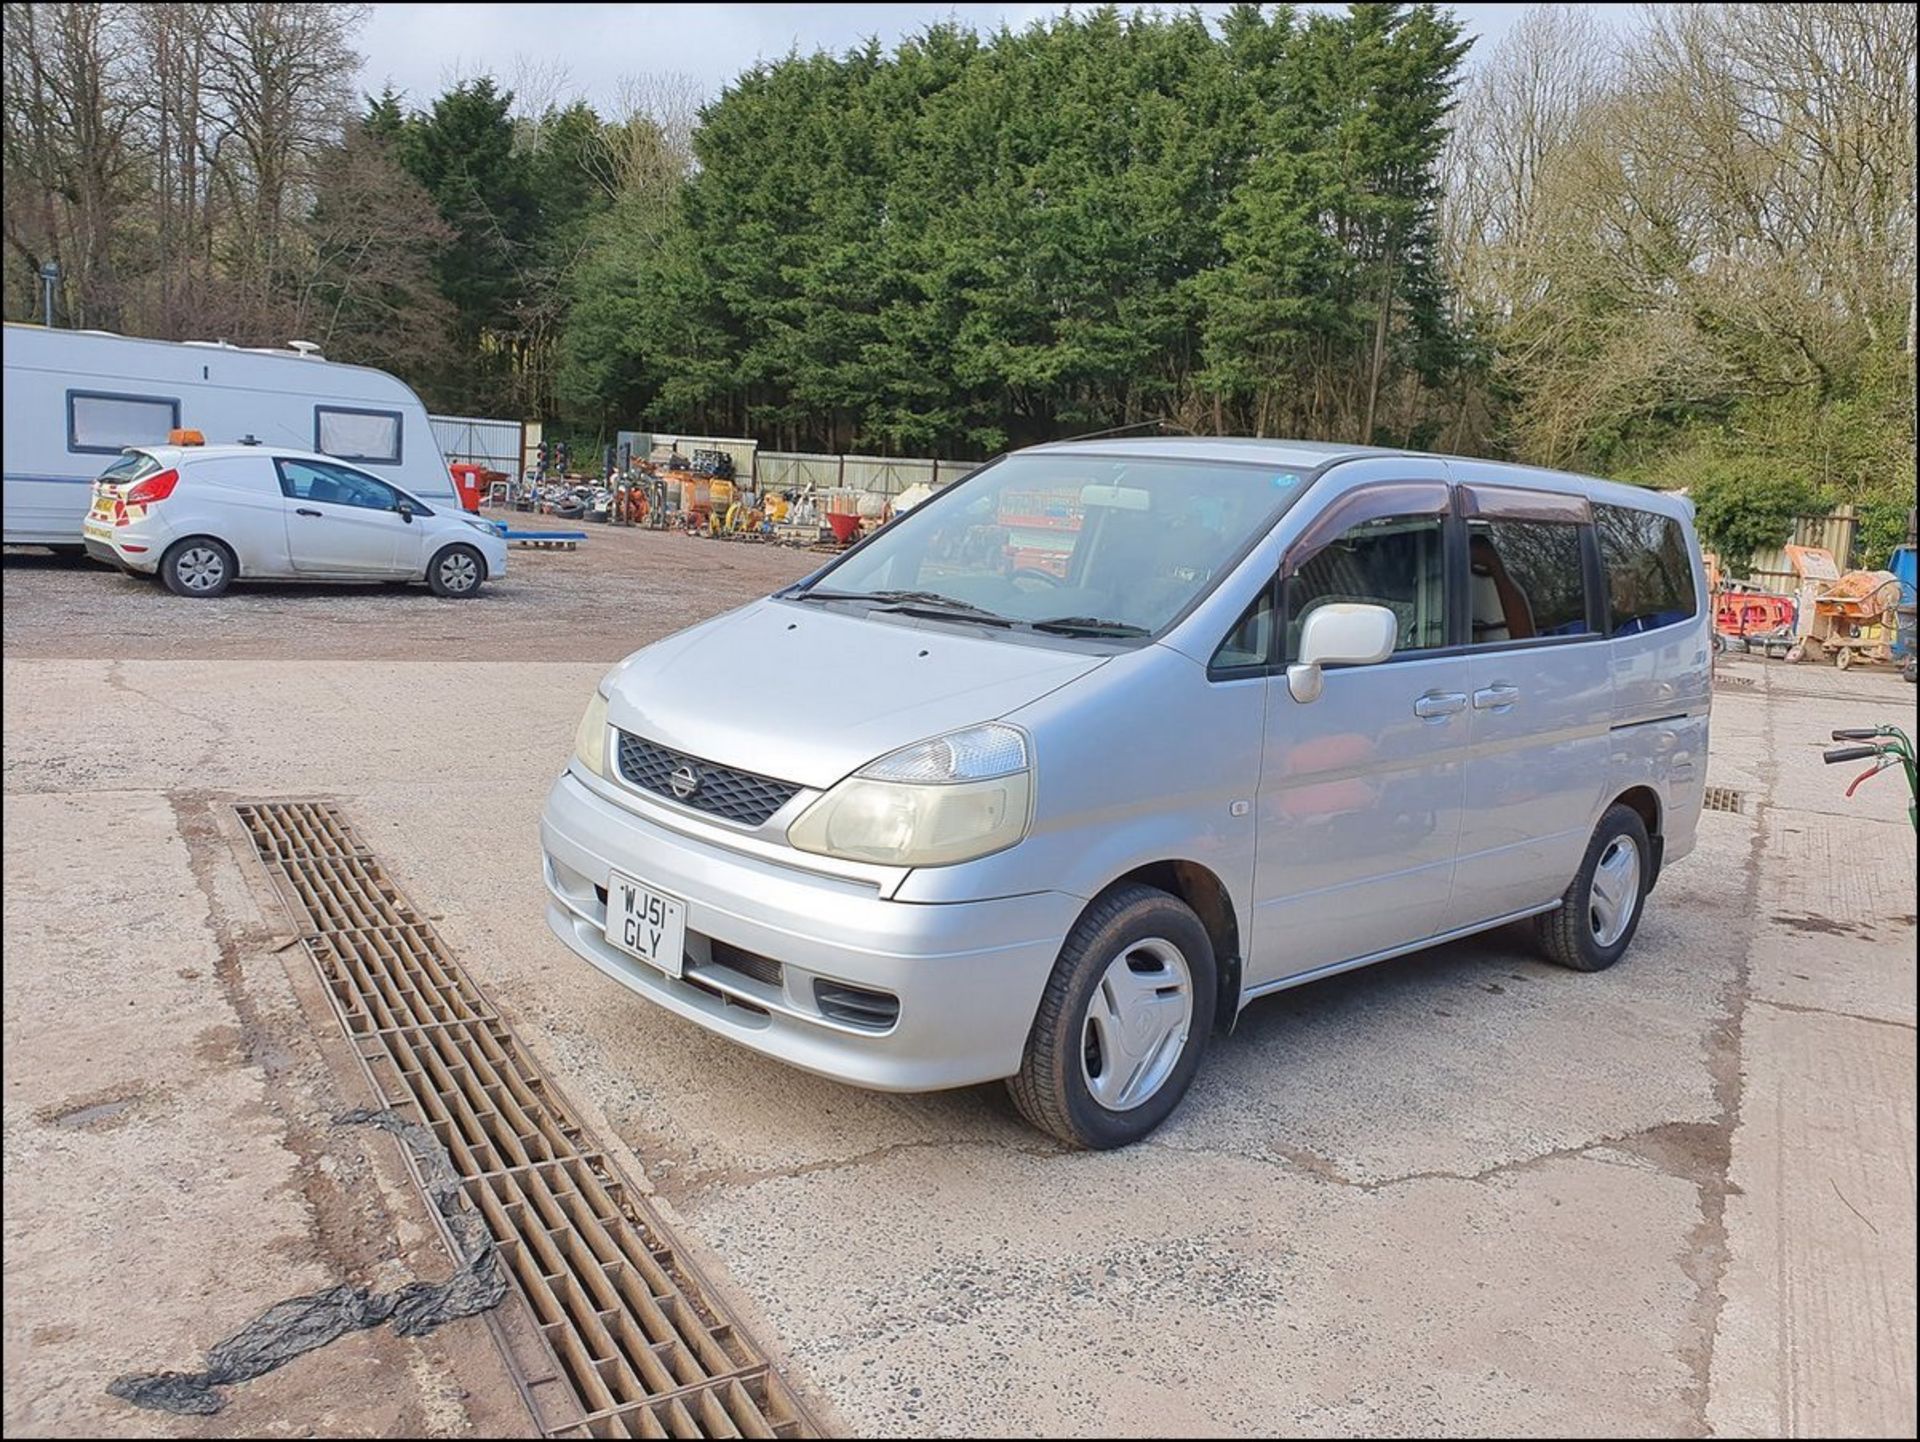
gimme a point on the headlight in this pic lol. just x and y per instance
(485, 527)
(590, 741)
(933, 803)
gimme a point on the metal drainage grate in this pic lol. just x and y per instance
(621, 1337)
(1725, 798)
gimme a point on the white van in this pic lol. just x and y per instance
(76, 399)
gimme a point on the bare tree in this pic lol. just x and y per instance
(274, 81)
(69, 112)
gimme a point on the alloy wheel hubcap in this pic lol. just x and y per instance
(457, 573)
(201, 568)
(1137, 1024)
(1615, 893)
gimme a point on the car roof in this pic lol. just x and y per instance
(1321, 455)
(1245, 449)
(183, 455)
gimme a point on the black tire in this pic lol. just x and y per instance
(199, 568)
(1573, 933)
(1051, 1087)
(456, 572)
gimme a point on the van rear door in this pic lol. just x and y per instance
(1540, 698)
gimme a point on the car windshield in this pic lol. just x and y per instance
(1068, 543)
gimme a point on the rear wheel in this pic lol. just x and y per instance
(1122, 1023)
(198, 567)
(1600, 911)
(456, 572)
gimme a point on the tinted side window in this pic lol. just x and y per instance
(1250, 643)
(311, 481)
(1397, 561)
(1525, 580)
(1649, 573)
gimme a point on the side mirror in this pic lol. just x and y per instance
(1340, 633)
(406, 511)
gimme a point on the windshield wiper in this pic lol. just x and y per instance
(1089, 626)
(913, 603)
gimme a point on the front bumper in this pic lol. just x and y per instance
(968, 975)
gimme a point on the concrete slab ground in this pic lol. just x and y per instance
(1461, 1193)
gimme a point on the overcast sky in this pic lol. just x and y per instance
(421, 49)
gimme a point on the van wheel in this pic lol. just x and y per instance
(198, 566)
(1122, 1023)
(456, 572)
(1599, 913)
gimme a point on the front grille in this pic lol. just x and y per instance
(763, 969)
(717, 790)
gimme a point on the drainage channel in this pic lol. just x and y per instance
(625, 1339)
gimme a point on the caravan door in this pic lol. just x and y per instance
(343, 522)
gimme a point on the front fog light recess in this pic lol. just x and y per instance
(937, 802)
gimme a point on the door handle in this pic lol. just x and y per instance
(303, 511)
(1439, 703)
(1495, 698)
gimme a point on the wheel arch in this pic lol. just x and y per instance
(486, 569)
(1645, 802)
(239, 567)
(1202, 890)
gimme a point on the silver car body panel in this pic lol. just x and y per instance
(1340, 831)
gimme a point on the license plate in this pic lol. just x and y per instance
(648, 923)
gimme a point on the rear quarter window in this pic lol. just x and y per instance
(1649, 570)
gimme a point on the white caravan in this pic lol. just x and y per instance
(76, 399)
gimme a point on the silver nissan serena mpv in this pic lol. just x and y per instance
(1050, 776)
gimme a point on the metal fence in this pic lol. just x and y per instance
(1772, 571)
(741, 451)
(496, 445)
(878, 475)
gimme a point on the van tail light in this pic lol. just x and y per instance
(149, 492)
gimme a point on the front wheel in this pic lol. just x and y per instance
(1600, 911)
(456, 572)
(1122, 1023)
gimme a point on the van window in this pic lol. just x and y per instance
(1250, 643)
(1394, 561)
(1527, 580)
(108, 424)
(336, 485)
(1649, 573)
(357, 435)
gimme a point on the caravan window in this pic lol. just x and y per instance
(107, 424)
(357, 435)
